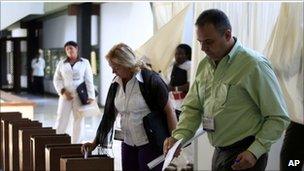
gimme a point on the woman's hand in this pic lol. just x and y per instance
(68, 95)
(89, 101)
(88, 147)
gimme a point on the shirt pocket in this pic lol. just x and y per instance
(201, 90)
(221, 92)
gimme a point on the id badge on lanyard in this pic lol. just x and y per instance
(208, 124)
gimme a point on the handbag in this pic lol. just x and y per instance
(156, 128)
(83, 93)
(88, 110)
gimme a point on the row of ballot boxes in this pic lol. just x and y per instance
(27, 146)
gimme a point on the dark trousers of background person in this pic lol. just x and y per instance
(38, 87)
(177, 112)
(224, 157)
(293, 147)
(136, 158)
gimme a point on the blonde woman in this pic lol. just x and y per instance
(134, 93)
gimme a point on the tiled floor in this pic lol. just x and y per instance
(45, 112)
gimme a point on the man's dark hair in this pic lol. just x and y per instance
(187, 50)
(215, 17)
(71, 43)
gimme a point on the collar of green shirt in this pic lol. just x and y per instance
(233, 51)
(231, 54)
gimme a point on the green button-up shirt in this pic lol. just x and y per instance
(243, 96)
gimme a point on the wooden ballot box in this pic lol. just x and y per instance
(25, 152)
(13, 140)
(6, 116)
(54, 152)
(92, 163)
(5, 140)
(38, 143)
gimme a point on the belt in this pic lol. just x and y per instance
(242, 143)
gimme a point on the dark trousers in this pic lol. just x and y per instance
(224, 157)
(136, 158)
(38, 86)
(293, 148)
(177, 112)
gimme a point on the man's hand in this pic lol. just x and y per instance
(244, 160)
(168, 143)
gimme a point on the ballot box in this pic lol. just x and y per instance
(55, 151)
(92, 163)
(13, 140)
(6, 116)
(38, 143)
(25, 152)
(5, 140)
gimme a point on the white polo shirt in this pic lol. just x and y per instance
(38, 66)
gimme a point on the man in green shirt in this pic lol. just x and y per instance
(236, 97)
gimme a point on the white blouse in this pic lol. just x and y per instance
(69, 77)
(131, 105)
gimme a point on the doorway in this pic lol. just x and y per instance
(13, 62)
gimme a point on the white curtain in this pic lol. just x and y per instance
(252, 23)
(285, 51)
(159, 49)
(262, 17)
(163, 12)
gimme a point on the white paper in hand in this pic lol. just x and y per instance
(170, 154)
(161, 158)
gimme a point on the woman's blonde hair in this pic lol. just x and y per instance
(123, 55)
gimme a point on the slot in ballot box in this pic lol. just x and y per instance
(92, 163)
(25, 152)
(54, 152)
(13, 140)
(6, 116)
(5, 140)
(38, 143)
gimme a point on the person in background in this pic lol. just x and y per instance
(38, 65)
(180, 76)
(289, 69)
(179, 82)
(134, 93)
(69, 74)
(292, 148)
(235, 95)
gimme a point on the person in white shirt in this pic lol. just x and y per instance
(134, 93)
(69, 74)
(38, 65)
